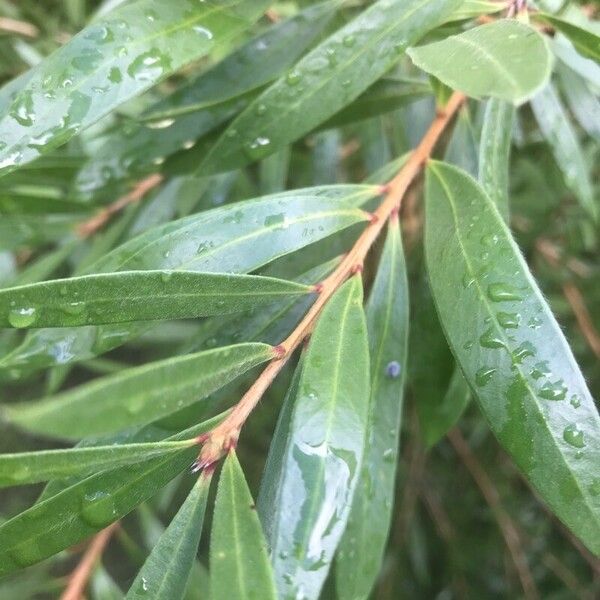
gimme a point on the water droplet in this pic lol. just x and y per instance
(274, 220)
(553, 391)
(261, 109)
(160, 124)
(149, 65)
(389, 455)
(490, 339)
(509, 320)
(468, 280)
(574, 436)
(541, 369)
(98, 509)
(74, 308)
(258, 147)
(207, 33)
(189, 144)
(490, 239)
(165, 276)
(293, 78)
(503, 292)
(535, 322)
(468, 345)
(483, 376)
(144, 584)
(575, 401)
(349, 41)
(22, 109)
(525, 350)
(115, 75)
(393, 369)
(22, 317)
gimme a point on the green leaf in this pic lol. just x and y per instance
(111, 61)
(511, 350)
(166, 571)
(586, 42)
(87, 506)
(470, 9)
(237, 238)
(137, 296)
(562, 139)
(137, 395)
(44, 465)
(583, 103)
(361, 550)
(494, 152)
(506, 59)
(239, 563)
(325, 448)
(206, 102)
(325, 80)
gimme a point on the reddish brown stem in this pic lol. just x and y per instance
(227, 433)
(79, 578)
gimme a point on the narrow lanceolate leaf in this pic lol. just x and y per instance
(137, 296)
(82, 509)
(44, 465)
(235, 238)
(556, 128)
(470, 9)
(506, 59)
(362, 547)
(214, 97)
(239, 563)
(511, 350)
(325, 80)
(585, 41)
(325, 447)
(138, 395)
(494, 152)
(166, 571)
(584, 104)
(109, 62)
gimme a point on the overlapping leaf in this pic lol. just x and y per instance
(325, 80)
(109, 62)
(325, 448)
(362, 547)
(511, 349)
(137, 395)
(506, 59)
(239, 562)
(586, 42)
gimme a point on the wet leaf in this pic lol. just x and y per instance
(562, 139)
(137, 296)
(325, 80)
(166, 571)
(506, 59)
(82, 509)
(44, 465)
(137, 395)
(511, 350)
(239, 563)
(325, 448)
(361, 550)
(109, 62)
(494, 152)
(586, 42)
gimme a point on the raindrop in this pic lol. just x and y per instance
(115, 75)
(165, 276)
(490, 339)
(525, 350)
(144, 584)
(541, 369)
(349, 41)
(483, 376)
(188, 145)
(534, 322)
(574, 436)
(575, 401)
(293, 78)
(74, 308)
(468, 345)
(258, 147)
(274, 220)
(149, 65)
(501, 292)
(207, 33)
(388, 455)
(490, 240)
(22, 109)
(22, 317)
(261, 109)
(509, 320)
(553, 391)
(160, 124)
(98, 509)
(468, 280)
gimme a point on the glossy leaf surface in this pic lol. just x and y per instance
(82, 509)
(362, 547)
(325, 80)
(44, 465)
(137, 296)
(108, 63)
(325, 448)
(137, 395)
(239, 563)
(511, 349)
(166, 571)
(506, 59)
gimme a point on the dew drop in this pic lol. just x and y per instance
(115, 75)
(22, 109)
(502, 292)
(22, 317)
(293, 78)
(160, 124)
(525, 350)
(575, 401)
(165, 276)
(207, 33)
(393, 369)
(74, 308)
(509, 320)
(553, 391)
(388, 455)
(468, 345)
(258, 147)
(534, 323)
(574, 436)
(98, 509)
(541, 369)
(149, 65)
(484, 375)
(349, 41)
(261, 109)
(490, 339)
(274, 220)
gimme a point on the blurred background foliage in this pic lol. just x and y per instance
(466, 523)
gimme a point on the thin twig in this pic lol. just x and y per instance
(19, 27)
(98, 221)
(81, 575)
(582, 315)
(219, 440)
(505, 523)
